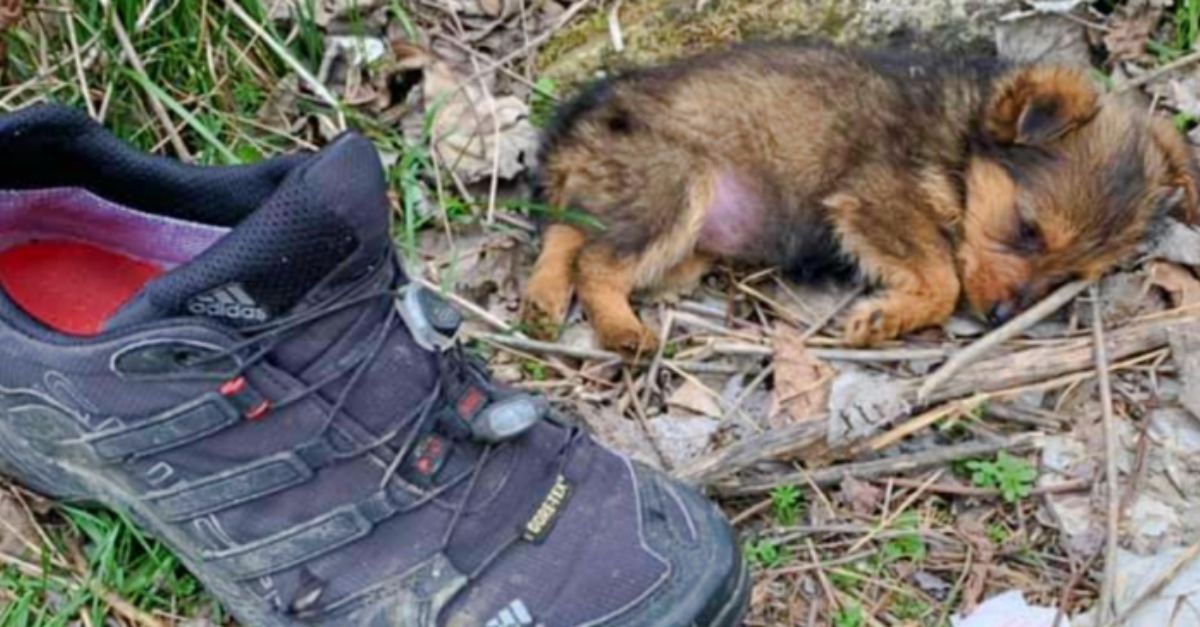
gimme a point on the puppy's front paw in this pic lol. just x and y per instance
(631, 340)
(872, 322)
(543, 312)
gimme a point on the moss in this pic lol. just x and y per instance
(655, 30)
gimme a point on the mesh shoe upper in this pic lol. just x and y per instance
(313, 453)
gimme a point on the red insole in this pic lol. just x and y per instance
(72, 287)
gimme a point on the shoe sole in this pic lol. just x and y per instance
(733, 611)
(61, 481)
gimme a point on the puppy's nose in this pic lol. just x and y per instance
(1002, 312)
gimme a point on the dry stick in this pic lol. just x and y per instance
(890, 518)
(1065, 598)
(1157, 73)
(939, 456)
(1033, 368)
(538, 346)
(1158, 586)
(468, 306)
(1005, 332)
(84, 90)
(159, 110)
(119, 606)
(284, 55)
(1110, 453)
(1074, 485)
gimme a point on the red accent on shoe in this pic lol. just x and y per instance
(233, 387)
(470, 403)
(259, 411)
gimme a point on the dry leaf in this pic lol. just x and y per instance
(17, 535)
(623, 435)
(1179, 243)
(1179, 284)
(861, 402)
(862, 497)
(682, 440)
(480, 265)
(1043, 38)
(1184, 95)
(476, 133)
(1128, 33)
(1185, 352)
(801, 381)
(695, 398)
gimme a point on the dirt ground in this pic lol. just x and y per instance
(905, 485)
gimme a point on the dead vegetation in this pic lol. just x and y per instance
(1058, 456)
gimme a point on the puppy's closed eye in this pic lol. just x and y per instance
(1028, 238)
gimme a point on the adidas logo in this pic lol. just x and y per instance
(230, 301)
(515, 615)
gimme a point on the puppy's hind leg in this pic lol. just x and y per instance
(605, 282)
(549, 291)
(684, 277)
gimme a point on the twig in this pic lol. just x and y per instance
(1158, 586)
(470, 307)
(1033, 369)
(159, 110)
(1005, 332)
(1065, 598)
(820, 324)
(564, 18)
(1074, 485)
(84, 90)
(890, 518)
(538, 346)
(1159, 72)
(284, 55)
(1110, 453)
(641, 418)
(893, 465)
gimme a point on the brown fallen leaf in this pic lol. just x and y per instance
(695, 398)
(862, 497)
(1128, 34)
(801, 380)
(1180, 285)
(476, 133)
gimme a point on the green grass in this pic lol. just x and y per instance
(95, 555)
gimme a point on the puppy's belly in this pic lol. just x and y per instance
(733, 220)
(739, 226)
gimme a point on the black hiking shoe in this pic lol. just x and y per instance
(233, 357)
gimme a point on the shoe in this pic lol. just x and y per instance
(233, 357)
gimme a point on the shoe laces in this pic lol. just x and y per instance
(455, 368)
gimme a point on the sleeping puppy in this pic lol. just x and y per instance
(938, 180)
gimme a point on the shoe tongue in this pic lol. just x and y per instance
(326, 223)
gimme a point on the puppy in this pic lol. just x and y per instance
(935, 179)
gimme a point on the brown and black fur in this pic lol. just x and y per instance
(939, 179)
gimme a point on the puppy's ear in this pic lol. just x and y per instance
(1036, 105)
(1183, 174)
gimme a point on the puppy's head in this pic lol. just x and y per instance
(1064, 185)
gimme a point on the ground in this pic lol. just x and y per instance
(863, 494)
